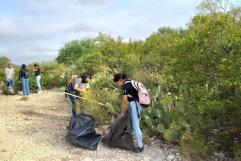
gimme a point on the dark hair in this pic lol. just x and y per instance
(36, 66)
(23, 66)
(119, 76)
(84, 76)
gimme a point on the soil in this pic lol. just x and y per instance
(35, 129)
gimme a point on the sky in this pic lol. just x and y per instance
(35, 30)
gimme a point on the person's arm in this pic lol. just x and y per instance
(34, 69)
(124, 103)
(76, 87)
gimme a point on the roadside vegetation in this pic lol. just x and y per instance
(194, 77)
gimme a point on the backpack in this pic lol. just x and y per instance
(144, 97)
(70, 86)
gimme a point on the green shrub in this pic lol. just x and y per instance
(194, 147)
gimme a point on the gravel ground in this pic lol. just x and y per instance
(36, 129)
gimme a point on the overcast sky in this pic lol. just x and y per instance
(34, 30)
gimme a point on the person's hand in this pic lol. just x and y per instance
(87, 86)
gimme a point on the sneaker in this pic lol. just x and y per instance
(138, 149)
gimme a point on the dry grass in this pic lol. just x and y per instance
(35, 129)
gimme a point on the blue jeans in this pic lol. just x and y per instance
(25, 83)
(74, 105)
(135, 110)
(11, 83)
(37, 79)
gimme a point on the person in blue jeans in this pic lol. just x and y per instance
(10, 76)
(130, 97)
(24, 77)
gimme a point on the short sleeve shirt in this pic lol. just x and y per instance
(128, 89)
(9, 73)
(80, 84)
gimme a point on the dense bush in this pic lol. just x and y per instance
(52, 75)
(206, 70)
(102, 90)
(193, 76)
(74, 50)
(4, 61)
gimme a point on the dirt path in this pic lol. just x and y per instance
(35, 130)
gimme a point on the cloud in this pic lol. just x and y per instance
(48, 7)
(75, 2)
(37, 29)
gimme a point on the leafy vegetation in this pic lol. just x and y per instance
(193, 75)
(4, 61)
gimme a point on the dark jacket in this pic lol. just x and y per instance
(23, 73)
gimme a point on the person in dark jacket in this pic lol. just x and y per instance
(130, 98)
(24, 78)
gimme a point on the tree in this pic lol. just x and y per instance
(73, 50)
(207, 73)
(214, 6)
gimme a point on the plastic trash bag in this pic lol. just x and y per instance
(82, 133)
(118, 135)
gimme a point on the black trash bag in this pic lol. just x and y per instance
(82, 133)
(34, 91)
(5, 90)
(8, 90)
(118, 135)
